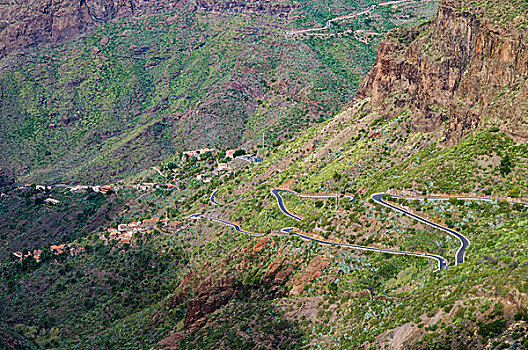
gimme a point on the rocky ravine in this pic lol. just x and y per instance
(460, 71)
(27, 23)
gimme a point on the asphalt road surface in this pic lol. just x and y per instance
(464, 242)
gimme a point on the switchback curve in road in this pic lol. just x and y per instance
(442, 262)
(280, 202)
(353, 15)
(212, 198)
(464, 241)
(378, 198)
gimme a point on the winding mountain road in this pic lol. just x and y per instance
(280, 202)
(340, 18)
(378, 198)
(442, 262)
(212, 199)
(465, 198)
(235, 226)
(464, 242)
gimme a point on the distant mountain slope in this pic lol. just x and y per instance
(163, 78)
(31, 22)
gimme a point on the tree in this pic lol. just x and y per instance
(505, 165)
(239, 152)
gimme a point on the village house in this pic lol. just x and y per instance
(231, 153)
(18, 255)
(125, 238)
(51, 201)
(223, 166)
(35, 254)
(106, 189)
(202, 177)
(125, 232)
(174, 226)
(65, 248)
(129, 228)
(113, 232)
(146, 186)
(57, 249)
(150, 223)
(191, 154)
(79, 188)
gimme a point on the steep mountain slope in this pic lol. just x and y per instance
(212, 287)
(424, 123)
(163, 78)
(466, 69)
(32, 22)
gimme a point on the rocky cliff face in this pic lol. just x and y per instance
(30, 22)
(461, 71)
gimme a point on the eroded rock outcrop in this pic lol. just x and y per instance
(30, 22)
(461, 71)
(204, 291)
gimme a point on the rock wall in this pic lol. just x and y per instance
(460, 71)
(29, 22)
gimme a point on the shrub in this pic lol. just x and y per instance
(514, 192)
(492, 328)
(506, 165)
(494, 129)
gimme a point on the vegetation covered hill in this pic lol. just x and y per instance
(139, 88)
(209, 286)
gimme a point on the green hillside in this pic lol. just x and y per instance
(394, 219)
(138, 89)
